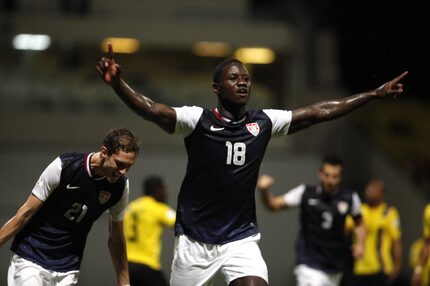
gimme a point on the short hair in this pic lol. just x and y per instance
(332, 159)
(220, 67)
(121, 139)
(152, 184)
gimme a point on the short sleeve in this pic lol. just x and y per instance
(186, 119)
(426, 222)
(281, 120)
(356, 205)
(48, 180)
(294, 196)
(168, 216)
(118, 209)
(393, 223)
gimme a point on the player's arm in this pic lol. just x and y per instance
(20, 219)
(396, 249)
(332, 109)
(270, 201)
(360, 233)
(161, 114)
(118, 253)
(422, 261)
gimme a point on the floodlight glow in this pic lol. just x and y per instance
(121, 45)
(32, 42)
(211, 49)
(255, 55)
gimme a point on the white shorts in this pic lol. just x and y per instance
(307, 276)
(26, 273)
(196, 263)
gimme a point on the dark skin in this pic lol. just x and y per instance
(233, 91)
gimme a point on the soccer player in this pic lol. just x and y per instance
(323, 211)
(51, 227)
(216, 228)
(423, 256)
(144, 221)
(382, 259)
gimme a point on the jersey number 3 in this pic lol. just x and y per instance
(235, 153)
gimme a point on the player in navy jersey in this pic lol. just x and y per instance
(51, 227)
(320, 247)
(216, 229)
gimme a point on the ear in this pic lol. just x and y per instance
(215, 87)
(103, 152)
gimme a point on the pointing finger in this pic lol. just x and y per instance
(110, 51)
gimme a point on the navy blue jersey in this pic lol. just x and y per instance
(56, 235)
(321, 240)
(216, 203)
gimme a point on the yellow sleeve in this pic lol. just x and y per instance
(426, 222)
(167, 215)
(349, 223)
(393, 224)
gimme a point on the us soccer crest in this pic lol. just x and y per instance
(253, 128)
(342, 207)
(104, 197)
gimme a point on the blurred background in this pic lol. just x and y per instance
(298, 52)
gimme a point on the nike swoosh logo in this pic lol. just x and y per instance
(71, 187)
(213, 128)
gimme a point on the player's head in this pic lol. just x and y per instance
(231, 83)
(330, 173)
(374, 192)
(119, 152)
(155, 187)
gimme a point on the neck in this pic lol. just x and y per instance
(96, 163)
(234, 114)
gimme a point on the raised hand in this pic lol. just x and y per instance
(108, 69)
(392, 87)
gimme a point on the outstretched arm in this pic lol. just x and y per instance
(22, 217)
(159, 113)
(332, 109)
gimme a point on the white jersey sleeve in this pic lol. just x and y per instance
(48, 181)
(186, 119)
(281, 121)
(117, 210)
(293, 197)
(356, 205)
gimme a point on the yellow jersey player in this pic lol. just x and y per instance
(144, 222)
(423, 256)
(382, 259)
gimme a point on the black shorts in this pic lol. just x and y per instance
(143, 275)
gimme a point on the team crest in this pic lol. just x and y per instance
(342, 207)
(104, 197)
(253, 128)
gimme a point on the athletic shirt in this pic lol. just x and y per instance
(321, 240)
(72, 199)
(216, 203)
(144, 221)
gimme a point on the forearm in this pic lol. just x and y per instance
(327, 110)
(397, 255)
(118, 254)
(13, 226)
(331, 109)
(360, 234)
